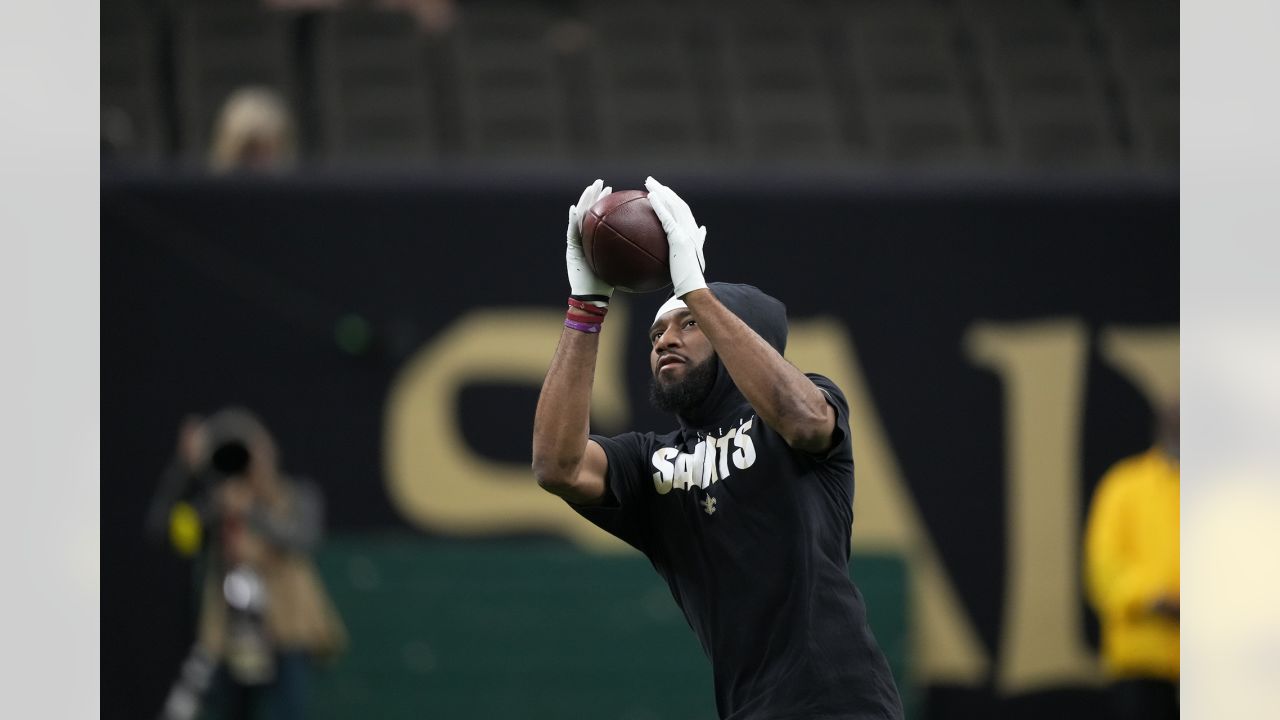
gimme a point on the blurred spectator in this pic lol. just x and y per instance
(254, 132)
(435, 17)
(1132, 576)
(264, 613)
(117, 137)
(305, 4)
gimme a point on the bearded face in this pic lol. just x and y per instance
(685, 391)
(682, 361)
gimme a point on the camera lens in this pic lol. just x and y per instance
(231, 458)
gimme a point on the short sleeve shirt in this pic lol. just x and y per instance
(752, 537)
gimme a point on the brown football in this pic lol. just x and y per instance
(625, 244)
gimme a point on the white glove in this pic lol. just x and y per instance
(582, 281)
(684, 237)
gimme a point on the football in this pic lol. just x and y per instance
(625, 244)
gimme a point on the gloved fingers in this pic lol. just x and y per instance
(658, 200)
(603, 194)
(656, 188)
(659, 204)
(677, 208)
(582, 281)
(575, 228)
(681, 208)
(590, 196)
(587, 199)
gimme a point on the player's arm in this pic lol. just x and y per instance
(565, 461)
(785, 399)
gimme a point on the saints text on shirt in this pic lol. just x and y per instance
(714, 459)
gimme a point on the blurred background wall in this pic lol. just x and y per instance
(970, 208)
(871, 84)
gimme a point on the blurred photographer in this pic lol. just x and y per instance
(264, 614)
(1132, 574)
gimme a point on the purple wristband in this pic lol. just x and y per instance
(581, 326)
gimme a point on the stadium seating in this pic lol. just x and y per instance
(1141, 42)
(1045, 85)
(903, 58)
(133, 126)
(512, 99)
(376, 105)
(647, 101)
(982, 85)
(780, 105)
(223, 45)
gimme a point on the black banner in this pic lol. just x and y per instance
(1004, 346)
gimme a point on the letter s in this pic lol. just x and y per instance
(745, 455)
(666, 469)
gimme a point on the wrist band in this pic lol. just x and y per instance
(589, 307)
(589, 328)
(584, 316)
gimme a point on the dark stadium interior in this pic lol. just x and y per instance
(962, 202)
(993, 85)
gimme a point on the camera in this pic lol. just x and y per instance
(230, 458)
(232, 433)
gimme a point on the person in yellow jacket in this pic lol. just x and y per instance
(1132, 578)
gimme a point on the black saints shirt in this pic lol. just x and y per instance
(753, 539)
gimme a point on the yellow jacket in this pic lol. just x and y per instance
(1131, 558)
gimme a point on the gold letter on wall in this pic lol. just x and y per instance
(1147, 356)
(1042, 365)
(435, 479)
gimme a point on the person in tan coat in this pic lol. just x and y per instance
(264, 614)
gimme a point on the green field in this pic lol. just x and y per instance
(529, 629)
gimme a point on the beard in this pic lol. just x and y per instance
(686, 394)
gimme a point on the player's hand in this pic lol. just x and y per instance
(684, 237)
(581, 280)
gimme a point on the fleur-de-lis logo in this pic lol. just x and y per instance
(709, 505)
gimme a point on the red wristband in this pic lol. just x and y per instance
(588, 307)
(582, 317)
